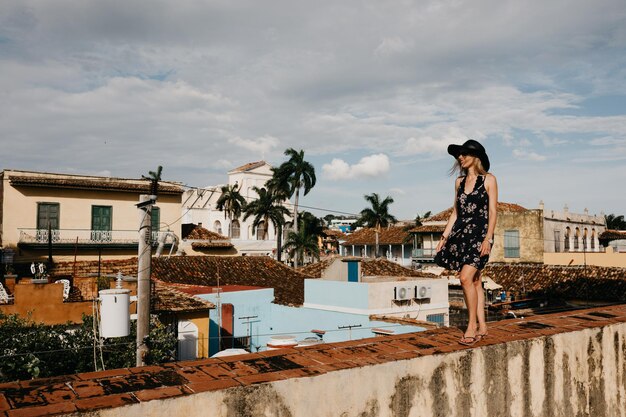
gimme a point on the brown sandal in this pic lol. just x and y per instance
(468, 341)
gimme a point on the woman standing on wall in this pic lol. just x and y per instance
(468, 237)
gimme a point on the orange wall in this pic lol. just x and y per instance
(44, 303)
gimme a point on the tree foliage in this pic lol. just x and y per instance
(267, 207)
(231, 202)
(34, 350)
(614, 222)
(377, 215)
(301, 243)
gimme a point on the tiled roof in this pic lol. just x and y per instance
(429, 228)
(383, 267)
(200, 233)
(94, 183)
(208, 239)
(259, 271)
(116, 388)
(337, 234)
(502, 208)
(249, 166)
(315, 270)
(169, 298)
(394, 235)
(610, 234)
(369, 267)
(566, 282)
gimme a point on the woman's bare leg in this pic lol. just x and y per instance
(471, 297)
(480, 304)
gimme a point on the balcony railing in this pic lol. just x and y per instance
(82, 237)
(423, 253)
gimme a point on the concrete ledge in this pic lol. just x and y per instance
(562, 364)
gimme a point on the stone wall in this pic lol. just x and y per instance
(529, 224)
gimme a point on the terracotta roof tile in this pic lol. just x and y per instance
(369, 267)
(94, 183)
(338, 234)
(610, 234)
(565, 282)
(200, 233)
(259, 271)
(207, 239)
(315, 270)
(249, 166)
(394, 235)
(429, 228)
(168, 298)
(386, 268)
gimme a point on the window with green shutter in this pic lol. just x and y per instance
(101, 221)
(48, 215)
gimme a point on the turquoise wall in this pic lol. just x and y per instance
(275, 319)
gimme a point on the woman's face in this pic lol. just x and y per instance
(466, 161)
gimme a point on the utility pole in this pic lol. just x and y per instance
(143, 268)
(143, 276)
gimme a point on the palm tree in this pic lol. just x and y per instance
(294, 174)
(419, 219)
(232, 203)
(378, 215)
(614, 222)
(301, 242)
(267, 207)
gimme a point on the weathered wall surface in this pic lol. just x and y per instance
(562, 365)
(530, 226)
(581, 373)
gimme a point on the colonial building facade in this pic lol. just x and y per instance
(77, 215)
(200, 208)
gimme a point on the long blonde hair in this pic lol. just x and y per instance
(458, 170)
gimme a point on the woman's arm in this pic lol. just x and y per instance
(451, 219)
(491, 185)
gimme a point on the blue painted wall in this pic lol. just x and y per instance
(274, 319)
(336, 293)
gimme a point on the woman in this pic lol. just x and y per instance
(468, 237)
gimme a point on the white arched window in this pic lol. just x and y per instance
(217, 227)
(566, 237)
(593, 239)
(235, 229)
(261, 231)
(576, 238)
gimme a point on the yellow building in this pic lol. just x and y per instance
(78, 215)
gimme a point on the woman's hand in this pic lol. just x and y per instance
(485, 248)
(442, 242)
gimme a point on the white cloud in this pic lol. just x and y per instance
(525, 155)
(427, 145)
(368, 167)
(262, 145)
(398, 191)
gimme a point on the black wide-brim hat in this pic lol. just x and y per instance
(471, 147)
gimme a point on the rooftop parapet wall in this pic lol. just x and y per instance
(565, 364)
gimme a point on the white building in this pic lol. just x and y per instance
(200, 207)
(571, 232)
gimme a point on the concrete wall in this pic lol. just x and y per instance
(530, 226)
(338, 271)
(608, 258)
(581, 373)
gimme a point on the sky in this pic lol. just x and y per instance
(372, 91)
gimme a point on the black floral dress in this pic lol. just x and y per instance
(469, 229)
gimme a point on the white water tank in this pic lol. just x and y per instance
(281, 342)
(114, 313)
